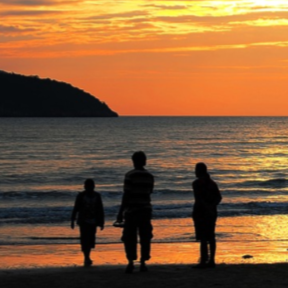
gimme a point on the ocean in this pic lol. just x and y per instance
(44, 162)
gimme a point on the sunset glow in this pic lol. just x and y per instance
(229, 251)
(155, 57)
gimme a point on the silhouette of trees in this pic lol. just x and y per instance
(30, 96)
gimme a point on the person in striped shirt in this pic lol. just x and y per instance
(136, 210)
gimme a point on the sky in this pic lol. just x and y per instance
(194, 58)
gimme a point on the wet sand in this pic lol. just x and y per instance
(181, 253)
(171, 266)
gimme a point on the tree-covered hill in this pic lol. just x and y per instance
(30, 96)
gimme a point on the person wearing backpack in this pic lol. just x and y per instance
(88, 209)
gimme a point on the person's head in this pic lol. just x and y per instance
(139, 159)
(89, 185)
(200, 169)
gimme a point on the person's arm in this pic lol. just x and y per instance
(126, 188)
(153, 182)
(198, 193)
(122, 207)
(218, 196)
(194, 190)
(100, 213)
(211, 203)
(75, 211)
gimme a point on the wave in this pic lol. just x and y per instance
(165, 194)
(252, 192)
(271, 183)
(55, 194)
(62, 214)
(18, 195)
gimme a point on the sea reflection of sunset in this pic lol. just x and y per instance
(45, 161)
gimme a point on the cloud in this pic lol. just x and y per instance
(167, 7)
(271, 7)
(119, 22)
(28, 13)
(4, 29)
(219, 19)
(129, 15)
(39, 48)
(262, 22)
(36, 2)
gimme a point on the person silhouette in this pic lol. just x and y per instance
(207, 197)
(136, 210)
(89, 210)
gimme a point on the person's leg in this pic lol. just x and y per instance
(212, 244)
(85, 243)
(203, 251)
(145, 233)
(87, 260)
(129, 239)
(91, 239)
(200, 232)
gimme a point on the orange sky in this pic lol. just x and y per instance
(155, 57)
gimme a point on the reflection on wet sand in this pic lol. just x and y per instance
(163, 253)
(265, 238)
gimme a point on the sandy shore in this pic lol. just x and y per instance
(171, 266)
(160, 276)
(181, 253)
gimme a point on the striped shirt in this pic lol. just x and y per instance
(138, 186)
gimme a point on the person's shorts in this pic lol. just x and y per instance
(87, 236)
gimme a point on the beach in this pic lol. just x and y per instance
(246, 264)
(170, 266)
(44, 165)
(65, 256)
(243, 260)
(262, 238)
(161, 276)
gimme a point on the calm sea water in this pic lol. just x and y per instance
(44, 162)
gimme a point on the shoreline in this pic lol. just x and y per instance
(252, 237)
(178, 253)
